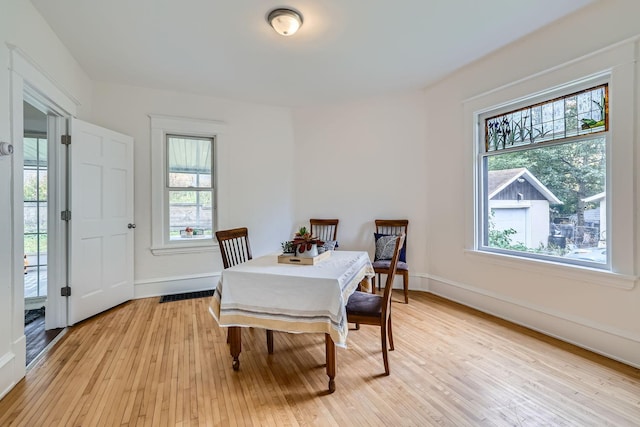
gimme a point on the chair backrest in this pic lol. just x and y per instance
(395, 227)
(391, 274)
(392, 226)
(324, 229)
(234, 246)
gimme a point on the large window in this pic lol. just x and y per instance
(542, 178)
(183, 184)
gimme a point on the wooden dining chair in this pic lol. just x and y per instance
(372, 309)
(324, 229)
(385, 228)
(235, 249)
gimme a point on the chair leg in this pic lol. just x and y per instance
(373, 284)
(405, 282)
(385, 356)
(390, 332)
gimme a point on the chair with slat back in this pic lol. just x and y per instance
(235, 249)
(234, 246)
(370, 309)
(391, 227)
(324, 229)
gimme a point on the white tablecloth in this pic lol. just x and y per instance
(293, 298)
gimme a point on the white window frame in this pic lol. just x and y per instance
(615, 65)
(161, 126)
(482, 210)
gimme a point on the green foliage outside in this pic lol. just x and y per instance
(34, 190)
(31, 244)
(572, 171)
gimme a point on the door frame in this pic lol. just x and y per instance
(30, 83)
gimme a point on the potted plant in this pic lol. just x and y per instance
(305, 244)
(288, 247)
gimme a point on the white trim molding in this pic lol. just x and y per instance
(175, 285)
(161, 126)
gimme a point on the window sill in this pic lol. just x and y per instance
(185, 248)
(595, 276)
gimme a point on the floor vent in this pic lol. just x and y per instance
(186, 295)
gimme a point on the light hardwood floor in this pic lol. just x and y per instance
(145, 363)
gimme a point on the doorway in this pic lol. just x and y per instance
(36, 212)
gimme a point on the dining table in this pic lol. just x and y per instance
(267, 293)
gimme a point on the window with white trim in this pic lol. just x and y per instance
(541, 184)
(183, 184)
(189, 187)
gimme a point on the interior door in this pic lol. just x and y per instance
(101, 225)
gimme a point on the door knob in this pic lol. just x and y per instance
(131, 225)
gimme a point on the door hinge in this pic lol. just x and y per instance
(65, 291)
(65, 215)
(66, 139)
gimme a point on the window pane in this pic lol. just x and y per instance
(31, 217)
(30, 244)
(189, 161)
(42, 241)
(42, 219)
(30, 184)
(580, 113)
(548, 200)
(190, 210)
(42, 184)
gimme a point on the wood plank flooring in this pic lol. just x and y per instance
(150, 364)
(37, 338)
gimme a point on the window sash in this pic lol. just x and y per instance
(189, 162)
(573, 115)
(484, 210)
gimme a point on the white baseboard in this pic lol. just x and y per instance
(6, 373)
(174, 285)
(620, 345)
(12, 366)
(178, 284)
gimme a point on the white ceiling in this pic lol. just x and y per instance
(346, 49)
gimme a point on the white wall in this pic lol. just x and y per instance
(254, 178)
(361, 161)
(22, 26)
(586, 308)
(402, 155)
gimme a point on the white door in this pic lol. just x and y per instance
(101, 225)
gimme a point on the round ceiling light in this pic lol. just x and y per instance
(285, 21)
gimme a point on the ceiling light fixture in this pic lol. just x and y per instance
(285, 21)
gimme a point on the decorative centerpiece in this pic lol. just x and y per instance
(305, 244)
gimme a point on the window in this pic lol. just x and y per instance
(542, 169)
(183, 186)
(189, 187)
(35, 215)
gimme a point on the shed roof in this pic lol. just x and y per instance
(498, 180)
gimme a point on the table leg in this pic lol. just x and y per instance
(235, 338)
(330, 349)
(270, 341)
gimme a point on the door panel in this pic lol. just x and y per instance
(101, 204)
